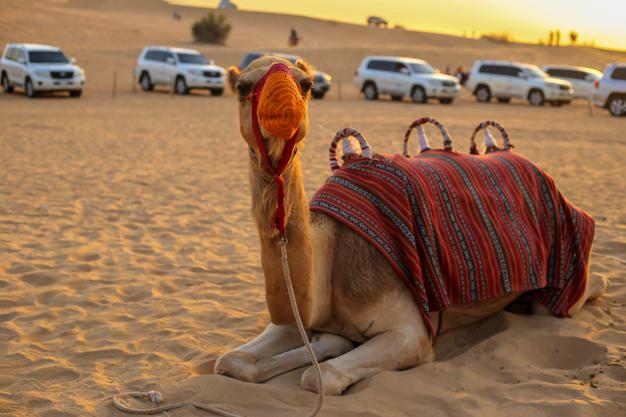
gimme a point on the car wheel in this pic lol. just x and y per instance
(76, 93)
(418, 95)
(29, 89)
(504, 100)
(216, 91)
(370, 91)
(483, 94)
(617, 106)
(181, 86)
(536, 98)
(146, 82)
(447, 100)
(395, 97)
(6, 84)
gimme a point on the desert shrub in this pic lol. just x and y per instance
(211, 29)
(503, 37)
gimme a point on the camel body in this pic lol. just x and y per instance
(362, 320)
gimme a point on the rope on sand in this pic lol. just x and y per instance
(156, 397)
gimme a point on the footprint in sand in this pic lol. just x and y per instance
(40, 279)
(561, 352)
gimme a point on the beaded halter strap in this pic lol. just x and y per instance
(341, 135)
(423, 140)
(491, 144)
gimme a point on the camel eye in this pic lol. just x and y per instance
(243, 89)
(305, 85)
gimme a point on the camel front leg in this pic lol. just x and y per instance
(241, 363)
(394, 349)
(277, 350)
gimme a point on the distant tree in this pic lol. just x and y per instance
(573, 37)
(211, 29)
(503, 37)
(550, 38)
(558, 37)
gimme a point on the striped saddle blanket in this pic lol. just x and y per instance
(461, 229)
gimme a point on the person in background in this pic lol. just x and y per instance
(294, 39)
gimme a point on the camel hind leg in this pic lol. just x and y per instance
(596, 286)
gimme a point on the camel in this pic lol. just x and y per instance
(360, 318)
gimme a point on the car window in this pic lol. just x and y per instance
(47, 57)
(248, 59)
(533, 71)
(192, 59)
(18, 55)
(401, 68)
(381, 65)
(422, 68)
(619, 73)
(494, 69)
(168, 55)
(155, 55)
(9, 54)
(567, 73)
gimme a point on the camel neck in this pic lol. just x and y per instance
(299, 248)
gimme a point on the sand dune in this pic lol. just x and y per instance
(129, 260)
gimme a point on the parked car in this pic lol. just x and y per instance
(583, 79)
(321, 80)
(610, 91)
(505, 80)
(37, 68)
(186, 69)
(400, 77)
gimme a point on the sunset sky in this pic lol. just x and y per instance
(602, 21)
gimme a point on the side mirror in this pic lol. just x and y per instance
(405, 71)
(522, 76)
(211, 62)
(73, 61)
(170, 60)
(21, 61)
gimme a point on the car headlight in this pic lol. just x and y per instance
(42, 73)
(195, 72)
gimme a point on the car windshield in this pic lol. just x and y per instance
(47, 57)
(422, 68)
(192, 59)
(535, 72)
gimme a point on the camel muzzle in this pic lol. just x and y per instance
(281, 107)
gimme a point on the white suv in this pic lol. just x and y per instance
(37, 68)
(399, 77)
(505, 80)
(611, 90)
(186, 69)
(582, 79)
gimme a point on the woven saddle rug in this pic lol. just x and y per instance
(461, 229)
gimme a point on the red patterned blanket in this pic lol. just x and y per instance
(461, 229)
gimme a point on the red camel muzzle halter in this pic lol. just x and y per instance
(290, 113)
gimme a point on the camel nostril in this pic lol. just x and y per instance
(305, 85)
(243, 89)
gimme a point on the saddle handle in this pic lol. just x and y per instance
(423, 140)
(342, 134)
(490, 143)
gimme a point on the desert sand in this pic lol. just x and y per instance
(129, 259)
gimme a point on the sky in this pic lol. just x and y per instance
(601, 21)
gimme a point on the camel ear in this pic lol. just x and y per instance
(233, 77)
(305, 67)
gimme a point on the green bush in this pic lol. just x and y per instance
(211, 29)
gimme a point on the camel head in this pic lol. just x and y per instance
(282, 91)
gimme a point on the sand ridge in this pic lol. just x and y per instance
(129, 259)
